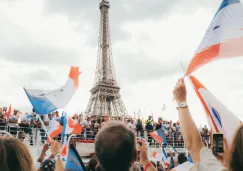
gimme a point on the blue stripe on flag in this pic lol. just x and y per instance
(41, 104)
(160, 133)
(74, 162)
(164, 155)
(226, 3)
(217, 116)
(64, 125)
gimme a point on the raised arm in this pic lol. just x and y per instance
(189, 129)
(56, 150)
(144, 159)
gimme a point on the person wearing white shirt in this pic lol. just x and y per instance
(129, 124)
(87, 126)
(56, 117)
(25, 125)
(13, 123)
(75, 118)
(87, 123)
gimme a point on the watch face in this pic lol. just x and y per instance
(183, 104)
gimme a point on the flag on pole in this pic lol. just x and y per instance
(220, 119)
(164, 155)
(45, 102)
(158, 136)
(74, 162)
(71, 127)
(8, 113)
(55, 130)
(224, 37)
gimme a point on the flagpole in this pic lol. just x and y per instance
(184, 69)
(44, 127)
(69, 139)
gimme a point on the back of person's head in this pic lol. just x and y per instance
(115, 147)
(181, 158)
(236, 152)
(14, 155)
(48, 165)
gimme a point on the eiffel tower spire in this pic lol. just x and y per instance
(105, 97)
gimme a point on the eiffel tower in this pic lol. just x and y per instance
(105, 97)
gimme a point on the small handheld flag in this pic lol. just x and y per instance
(74, 162)
(158, 136)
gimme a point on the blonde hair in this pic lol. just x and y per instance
(14, 155)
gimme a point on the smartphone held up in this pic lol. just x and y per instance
(218, 144)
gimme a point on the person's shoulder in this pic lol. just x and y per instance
(209, 162)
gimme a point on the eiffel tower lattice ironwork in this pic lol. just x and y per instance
(105, 97)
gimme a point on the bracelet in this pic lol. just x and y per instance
(147, 166)
(57, 156)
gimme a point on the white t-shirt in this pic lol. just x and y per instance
(58, 119)
(129, 125)
(87, 124)
(47, 120)
(25, 118)
(208, 162)
(15, 118)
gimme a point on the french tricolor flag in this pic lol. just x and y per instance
(71, 127)
(47, 101)
(223, 38)
(55, 130)
(158, 136)
(219, 117)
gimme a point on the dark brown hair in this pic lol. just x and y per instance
(14, 155)
(115, 147)
(236, 153)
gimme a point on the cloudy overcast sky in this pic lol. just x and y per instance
(40, 39)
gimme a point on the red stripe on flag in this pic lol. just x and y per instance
(198, 85)
(203, 57)
(55, 133)
(156, 137)
(154, 154)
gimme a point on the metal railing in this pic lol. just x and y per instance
(35, 136)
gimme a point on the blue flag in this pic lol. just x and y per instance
(74, 162)
(189, 158)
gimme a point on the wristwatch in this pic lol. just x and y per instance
(181, 105)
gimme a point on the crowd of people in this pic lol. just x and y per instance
(116, 146)
(25, 122)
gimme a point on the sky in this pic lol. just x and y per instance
(41, 39)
